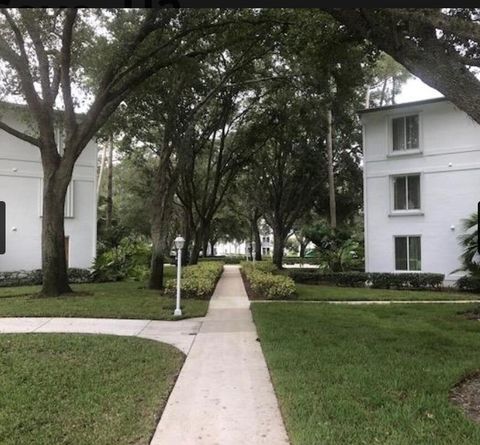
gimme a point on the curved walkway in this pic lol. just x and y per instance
(176, 333)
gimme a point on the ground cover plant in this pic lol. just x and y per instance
(370, 374)
(83, 389)
(125, 299)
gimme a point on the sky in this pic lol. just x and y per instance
(414, 89)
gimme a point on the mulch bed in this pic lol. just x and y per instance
(248, 288)
(466, 395)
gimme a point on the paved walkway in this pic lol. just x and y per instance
(223, 395)
(177, 333)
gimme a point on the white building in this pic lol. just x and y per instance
(421, 178)
(21, 189)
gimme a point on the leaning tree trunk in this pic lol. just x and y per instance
(54, 261)
(331, 173)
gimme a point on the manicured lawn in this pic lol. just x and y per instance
(100, 300)
(83, 389)
(370, 374)
(328, 293)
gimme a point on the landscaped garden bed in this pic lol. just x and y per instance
(370, 374)
(83, 389)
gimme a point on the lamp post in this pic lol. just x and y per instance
(179, 243)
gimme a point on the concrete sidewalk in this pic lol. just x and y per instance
(223, 394)
(176, 333)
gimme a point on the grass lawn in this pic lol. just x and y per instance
(370, 374)
(83, 389)
(124, 299)
(328, 293)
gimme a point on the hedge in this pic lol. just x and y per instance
(374, 280)
(34, 277)
(198, 281)
(469, 283)
(230, 259)
(261, 283)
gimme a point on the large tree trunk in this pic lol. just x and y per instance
(162, 208)
(257, 239)
(331, 177)
(303, 248)
(54, 261)
(278, 246)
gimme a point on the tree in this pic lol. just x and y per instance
(49, 54)
(440, 46)
(387, 81)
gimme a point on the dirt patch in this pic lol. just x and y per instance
(466, 395)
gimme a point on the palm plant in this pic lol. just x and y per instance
(468, 240)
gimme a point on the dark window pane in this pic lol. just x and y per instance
(412, 131)
(414, 192)
(400, 193)
(398, 131)
(401, 253)
(415, 260)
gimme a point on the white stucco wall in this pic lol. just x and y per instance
(449, 165)
(20, 187)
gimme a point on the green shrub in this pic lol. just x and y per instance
(406, 280)
(227, 259)
(469, 283)
(34, 277)
(129, 260)
(198, 281)
(262, 283)
(375, 280)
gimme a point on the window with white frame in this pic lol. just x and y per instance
(405, 133)
(408, 253)
(406, 192)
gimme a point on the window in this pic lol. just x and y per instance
(405, 133)
(408, 253)
(406, 192)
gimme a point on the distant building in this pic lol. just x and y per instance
(21, 189)
(421, 178)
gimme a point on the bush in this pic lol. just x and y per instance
(375, 280)
(406, 280)
(230, 259)
(469, 283)
(34, 277)
(198, 281)
(298, 260)
(262, 283)
(129, 260)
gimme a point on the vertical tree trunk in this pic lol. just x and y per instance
(102, 168)
(331, 177)
(303, 248)
(54, 262)
(278, 247)
(212, 247)
(257, 239)
(109, 216)
(162, 208)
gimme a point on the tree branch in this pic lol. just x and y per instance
(19, 134)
